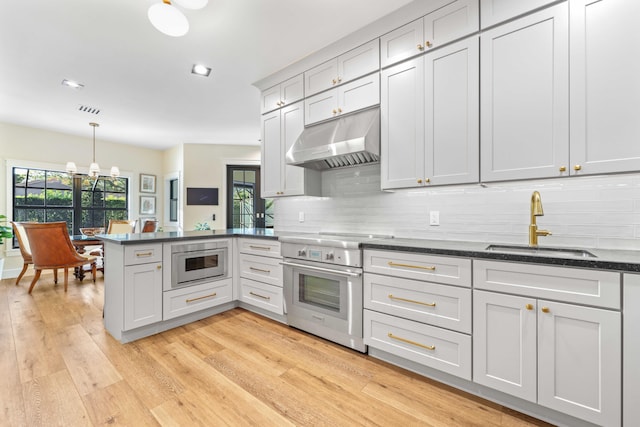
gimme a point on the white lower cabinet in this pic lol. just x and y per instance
(563, 356)
(261, 274)
(181, 301)
(142, 294)
(408, 315)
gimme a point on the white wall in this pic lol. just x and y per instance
(596, 212)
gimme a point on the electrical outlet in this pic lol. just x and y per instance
(434, 218)
(301, 216)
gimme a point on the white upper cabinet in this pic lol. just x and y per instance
(495, 11)
(348, 66)
(354, 96)
(605, 86)
(455, 20)
(402, 125)
(280, 129)
(283, 94)
(524, 69)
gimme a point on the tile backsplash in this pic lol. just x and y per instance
(591, 211)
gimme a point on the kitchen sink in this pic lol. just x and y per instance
(560, 252)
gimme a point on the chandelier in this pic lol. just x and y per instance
(94, 168)
(170, 20)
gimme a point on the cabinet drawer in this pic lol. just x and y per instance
(142, 254)
(449, 270)
(437, 348)
(591, 287)
(267, 297)
(263, 247)
(261, 268)
(179, 302)
(438, 305)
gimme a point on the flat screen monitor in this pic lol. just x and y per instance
(202, 196)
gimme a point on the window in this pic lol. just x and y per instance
(80, 201)
(173, 200)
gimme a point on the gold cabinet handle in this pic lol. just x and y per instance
(261, 248)
(279, 103)
(529, 306)
(141, 254)
(339, 79)
(259, 269)
(159, 267)
(339, 110)
(428, 304)
(395, 264)
(419, 181)
(427, 180)
(335, 112)
(202, 297)
(428, 43)
(420, 47)
(417, 344)
(577, 167)
(259, 296)
(334, 81)
(545, 309)
(563, 168)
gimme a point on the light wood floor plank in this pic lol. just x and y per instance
(52, 400)
(236, 368)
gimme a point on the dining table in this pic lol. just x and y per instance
(81, 242)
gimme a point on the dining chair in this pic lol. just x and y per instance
(51, 248)
(25, 250)
(121, 226)
(149, 226)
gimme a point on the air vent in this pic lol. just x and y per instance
(90, 110)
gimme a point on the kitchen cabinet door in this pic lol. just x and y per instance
(402, 125)
(504, 343)
(605, 89)
(272, 155)
(524, 104)
(579, 361)
(321, 77)
(452, 97)
(496, 11)
(359, 61)
(283, 94)
(322, 106)
(142, 295)
(402, 43)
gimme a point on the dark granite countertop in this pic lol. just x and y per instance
(604, 259)
(172, 236)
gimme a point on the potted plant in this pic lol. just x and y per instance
(5, 233)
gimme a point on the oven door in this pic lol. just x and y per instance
(189, 268)
(325, 300)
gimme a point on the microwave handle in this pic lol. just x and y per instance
(325, 270)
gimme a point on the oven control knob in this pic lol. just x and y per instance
(329, 256)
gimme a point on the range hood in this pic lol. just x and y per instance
(348, 141)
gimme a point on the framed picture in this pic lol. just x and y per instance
(147, 205)
(147, 183)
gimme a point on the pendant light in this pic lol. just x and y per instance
(94, 168)
(169, 20)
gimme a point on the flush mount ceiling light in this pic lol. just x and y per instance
(200, 70)
(72, 84)
(170, 20)
(94, 169)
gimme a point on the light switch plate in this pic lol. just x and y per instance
(301, 216)
(434, 218)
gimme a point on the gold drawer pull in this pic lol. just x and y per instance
(202, 297)
(417, 344)
(529, 306)
(262, 248)
(141, 254)
(395, 264)
(545, 309)
(428, 304)
(259, 269)
(259, 296)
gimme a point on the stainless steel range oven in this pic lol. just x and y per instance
(323, 287)
(193, 263)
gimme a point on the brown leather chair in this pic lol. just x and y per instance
(25, 250)
(51, 248)
(149, 226)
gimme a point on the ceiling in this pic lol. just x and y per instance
(140, 79)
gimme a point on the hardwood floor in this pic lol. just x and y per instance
(59, 367)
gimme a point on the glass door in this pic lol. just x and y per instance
(245, 207)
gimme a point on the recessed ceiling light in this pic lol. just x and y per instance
(200, 70)
(72, 84)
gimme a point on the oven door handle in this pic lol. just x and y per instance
(325, 270)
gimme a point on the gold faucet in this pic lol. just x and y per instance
(536, 210)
